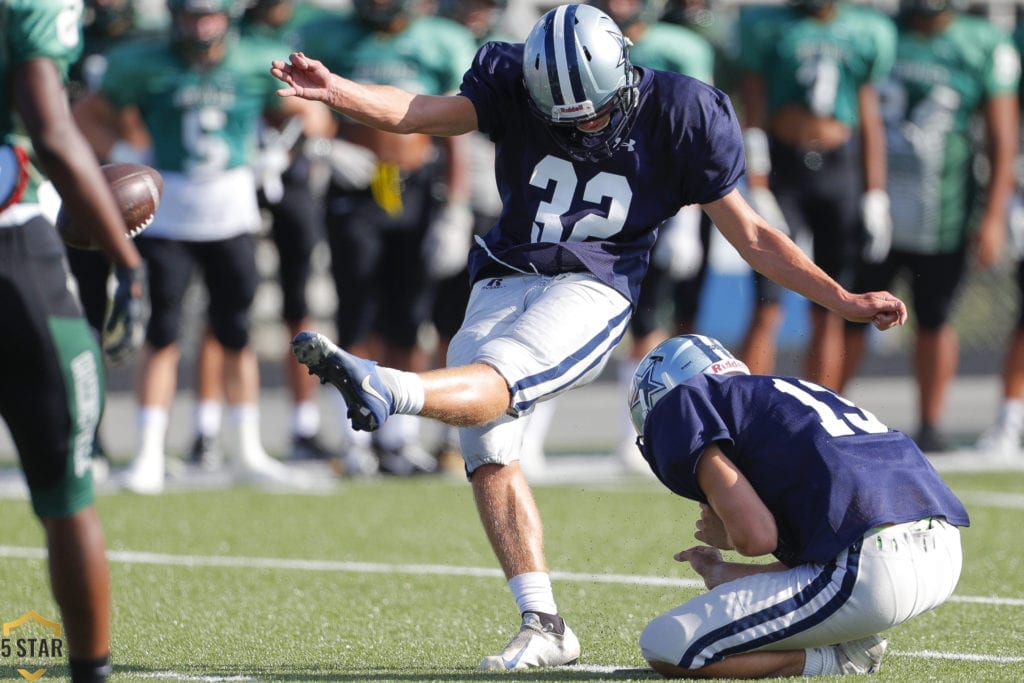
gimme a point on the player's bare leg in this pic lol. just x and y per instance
(80, 579)
(758, 350)
(464, 396)
(825, 352)
(935, 362)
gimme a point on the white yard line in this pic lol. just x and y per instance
(286, 564)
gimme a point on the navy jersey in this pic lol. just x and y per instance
(560, 215)
(827, 470)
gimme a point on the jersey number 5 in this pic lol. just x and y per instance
(845, 423)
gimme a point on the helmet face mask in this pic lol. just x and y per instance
(671, 363)
(576, 70)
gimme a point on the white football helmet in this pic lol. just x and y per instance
(576, 68)
(672, 362)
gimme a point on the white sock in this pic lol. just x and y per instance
(821, 661)
(244, 419)
(152, 429)
(208, 414)
(1012, 414)
(406, 389)
(532, 592)
(306, 418)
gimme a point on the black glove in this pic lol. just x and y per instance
(125, 326)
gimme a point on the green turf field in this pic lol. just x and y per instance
(393, 580)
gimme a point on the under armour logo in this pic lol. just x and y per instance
(629, 145)
(493, 283)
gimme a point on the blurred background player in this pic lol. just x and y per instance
(105, 23)
(862, 530)
(296, 226)
(815, 152)
(949, 68)
(483, 18)
(204, 89)
(53, 381)
(413, 193)
(1002, 438)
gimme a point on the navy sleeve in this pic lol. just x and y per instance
(493, 84)
(725, 162)
(678, 430)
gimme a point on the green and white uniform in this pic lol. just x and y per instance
(427, 58)
(938, 84)
(376, 233)
(52, 392)
(675, 48)
(818, 65)
(203, 124)
(48, 29)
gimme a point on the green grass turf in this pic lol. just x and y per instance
(364, 622)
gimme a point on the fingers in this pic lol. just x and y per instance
(686, 555)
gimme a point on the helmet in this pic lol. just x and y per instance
(576, 69)
(640, 11)
(378, 14)
(109, 19)
(192, 39)
(672, 362)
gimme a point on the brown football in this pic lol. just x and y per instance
(137, 189)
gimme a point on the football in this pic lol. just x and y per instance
(137, 189)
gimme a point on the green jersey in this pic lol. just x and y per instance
(939, 82)
(204, 121)
(674, 48)
(819, 65)
(32, 29)
(429, 57)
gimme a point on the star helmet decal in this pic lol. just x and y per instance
(648, 385)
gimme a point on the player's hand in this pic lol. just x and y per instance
(306, 78)
(706, 561)
(446, 244)
(125, 326)
(881, 309)
(874, 207)
(711, 529)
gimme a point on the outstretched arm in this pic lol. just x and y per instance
(777, 257)
(378, 106)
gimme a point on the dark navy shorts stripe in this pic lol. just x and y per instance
(822, 583)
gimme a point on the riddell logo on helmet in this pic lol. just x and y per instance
(728, 365)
